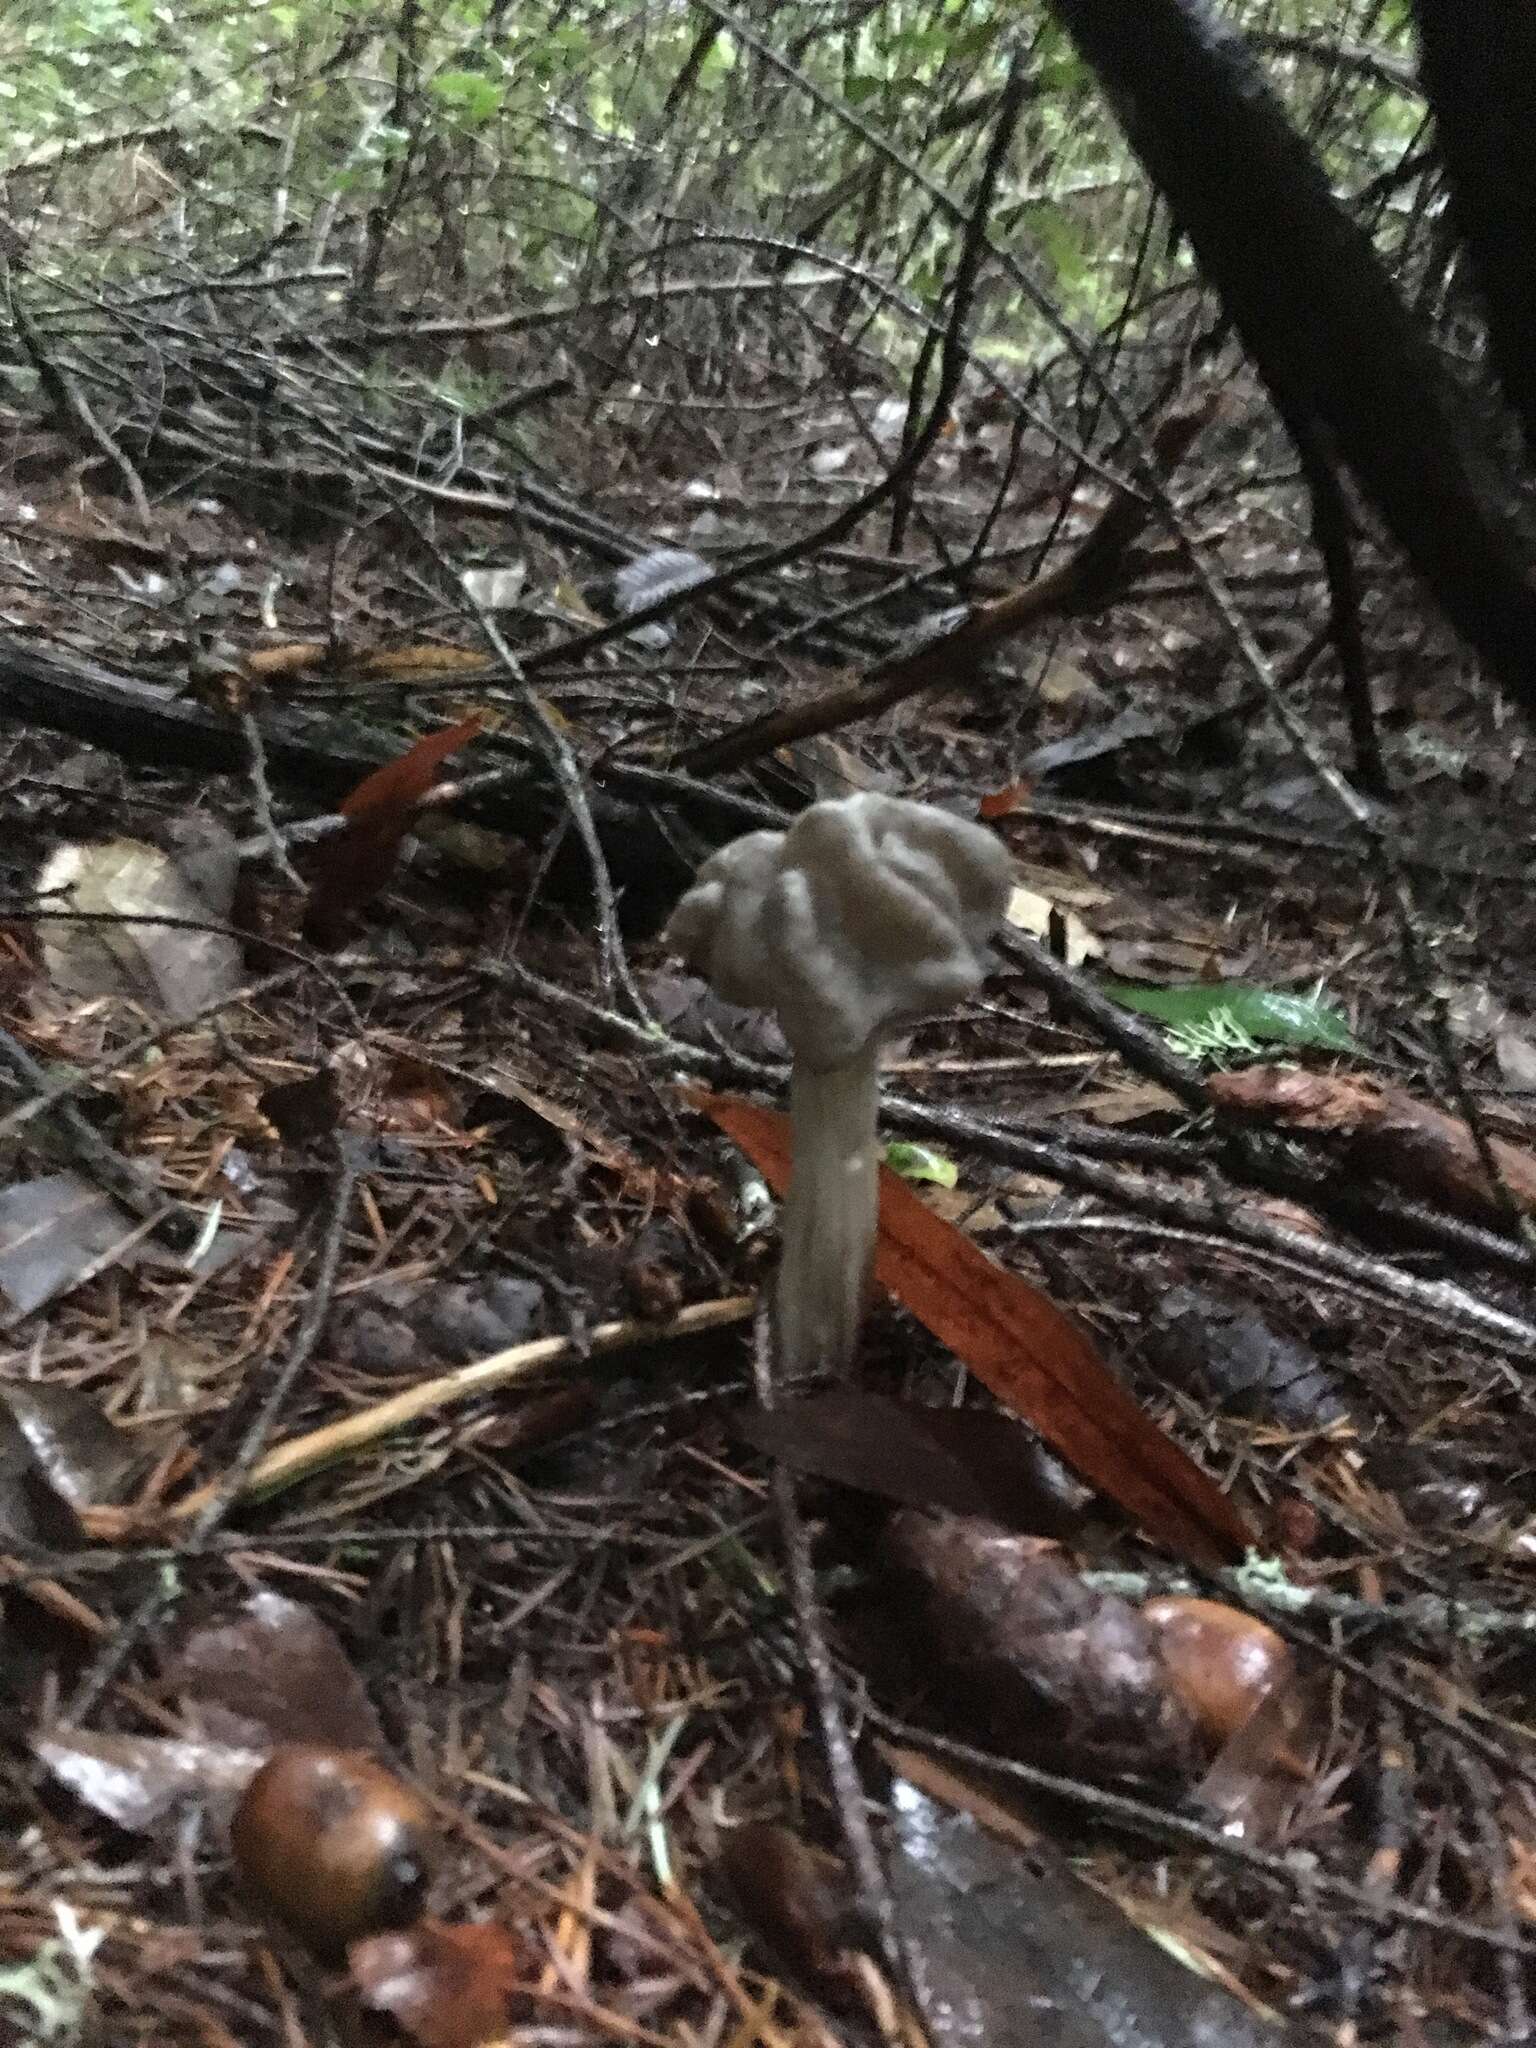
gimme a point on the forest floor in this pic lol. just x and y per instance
(435, 1108)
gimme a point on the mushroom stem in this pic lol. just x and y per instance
(831, 1212)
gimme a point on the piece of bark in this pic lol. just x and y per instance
(1029, 1656)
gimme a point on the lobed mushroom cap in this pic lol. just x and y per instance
(868, 913)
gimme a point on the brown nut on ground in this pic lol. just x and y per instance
(1220, 1661)
(331, 1846)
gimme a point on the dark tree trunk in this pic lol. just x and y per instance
(1312, 302)
(1479, 70)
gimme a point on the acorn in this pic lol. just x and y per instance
(331, 1846)
(1220, 1661)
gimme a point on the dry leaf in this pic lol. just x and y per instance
(1386, 1132)
(962, 1459)
(60, 1230)
(1516, 1055)
(137, 1781)
(1028, 911)
(166, 967)
(56, 1232)
(281, 1673)
(448, 1987)
(1024, 1349)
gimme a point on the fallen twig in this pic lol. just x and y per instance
(1091, 574)
(301, 1456)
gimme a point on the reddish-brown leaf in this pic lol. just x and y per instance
(354, 865)
(1002, 803)
(1024, 1349)
(794, 1897)
(447, 1986)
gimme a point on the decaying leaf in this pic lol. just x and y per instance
(58, 1231)
(168, 968)
(1029, 911)
(447, 1986)
(960, 1459)
(87, 1460)
(794, 1898)
(1006, 1946)
(303, 1110)
(1031, 1356)
(688, 1007)
(1386, 1132)
(1515, 1051)
(55, 1232)
(279, 1674)
(30, 1510)
(418, 1095)
(1043, 1665)
(139, 1781)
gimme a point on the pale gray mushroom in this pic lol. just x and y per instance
(867, 914)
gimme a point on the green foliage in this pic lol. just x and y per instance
(1217, 1019)
(470, 95)
(921, 1162)
(499, 134)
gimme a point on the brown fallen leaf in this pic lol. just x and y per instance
(1023, 1348)
(274, 1672)
(795, 1898)
(304, 1110)
(1385, 1132)
(964, 1459)
(447, 1986)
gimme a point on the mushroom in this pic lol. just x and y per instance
(869, 913)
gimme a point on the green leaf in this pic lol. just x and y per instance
(1230, 1010)
(719, 59)
(471, 95)
(919, 1162)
